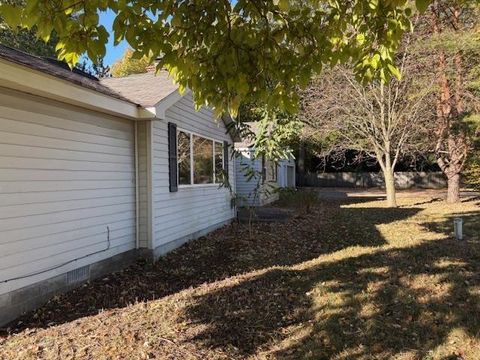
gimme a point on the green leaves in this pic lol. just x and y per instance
(232, 54)
(422, 5)
(283, 5)
(394, 71)
(11, 15)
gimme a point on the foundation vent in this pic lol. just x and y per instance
(78, 275)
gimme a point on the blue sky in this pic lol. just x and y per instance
(113, 52)
(116, 52)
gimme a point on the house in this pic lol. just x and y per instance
(95, 173)
(258, 178)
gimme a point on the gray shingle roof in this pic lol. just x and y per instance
(59, 70)
(145, 89)
(142, 90)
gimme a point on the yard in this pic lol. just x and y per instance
(350, 280)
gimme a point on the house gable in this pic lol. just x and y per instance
(192, 210)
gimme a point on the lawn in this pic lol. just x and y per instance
(350, 280)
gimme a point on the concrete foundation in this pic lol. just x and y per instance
(18, 302)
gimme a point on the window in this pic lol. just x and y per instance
(200, 160)
(184, 168)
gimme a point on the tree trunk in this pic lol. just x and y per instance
(452, 146)
(453, 191)
(390, 187)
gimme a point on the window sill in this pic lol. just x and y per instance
(196, 186)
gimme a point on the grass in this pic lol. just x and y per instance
(350, 280)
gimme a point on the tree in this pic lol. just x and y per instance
(100, 69)
(385, 122)
(128, 65)
(26, 40)
(450, 42)
(472, 170)
(227, 52)
(96, 68)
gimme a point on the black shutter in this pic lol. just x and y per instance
(225, 158)
(172, 156)
(264, 169)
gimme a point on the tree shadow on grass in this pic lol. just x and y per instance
(429, 201)
(225, 253)
(374, 304)
(331, 229)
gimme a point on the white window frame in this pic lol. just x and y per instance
(191, 185)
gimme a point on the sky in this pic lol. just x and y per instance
(113, 52)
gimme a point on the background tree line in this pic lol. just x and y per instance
(432, 112)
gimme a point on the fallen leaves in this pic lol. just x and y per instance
(349, 280)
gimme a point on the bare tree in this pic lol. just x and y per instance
(384, 121)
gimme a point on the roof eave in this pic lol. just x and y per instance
(168, 101)
(22, 78)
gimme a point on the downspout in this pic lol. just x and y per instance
(233, 178)
(137, 202)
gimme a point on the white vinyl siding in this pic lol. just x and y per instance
(246, 189)
(286, 173)
(66, 174)
(191, 209)
(143, 189)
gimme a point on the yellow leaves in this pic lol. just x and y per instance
(233, 106)
(128, 65)
(361, 39)
(71, 58)
(181, 89)
(283, 5)
(373, 4)
(395, 72)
